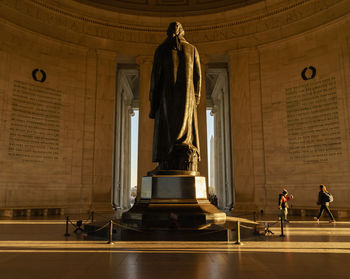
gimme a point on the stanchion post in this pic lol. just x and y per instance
(238, 232)
(282, 234)
(110, 239)
(228, 234)
(254, 216)
(67, 233)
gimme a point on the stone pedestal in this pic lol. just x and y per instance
(173, 202)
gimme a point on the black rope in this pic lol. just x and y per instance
(104, 226)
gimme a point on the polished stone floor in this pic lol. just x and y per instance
(38, 249)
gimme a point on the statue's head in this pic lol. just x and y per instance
(175, 29)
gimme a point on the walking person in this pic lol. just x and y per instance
(283, 204)
(324, 198)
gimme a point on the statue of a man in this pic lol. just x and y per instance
(174, 96)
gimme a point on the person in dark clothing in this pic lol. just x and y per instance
(323, 200)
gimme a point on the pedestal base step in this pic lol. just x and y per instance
(209, 234)
(97, 231)
(123, 232)
(173, 216)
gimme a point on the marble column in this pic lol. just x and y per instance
(104, 129)
(122, 152)
(146, 124)
(241, 129)
(222, 134)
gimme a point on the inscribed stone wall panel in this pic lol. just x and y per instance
(43, 85)
(33, 116)
(304, 116)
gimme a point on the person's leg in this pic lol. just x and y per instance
(284, 214)
(320, 213)
(281, 214)
(326, 208)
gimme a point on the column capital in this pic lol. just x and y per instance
(144, 59)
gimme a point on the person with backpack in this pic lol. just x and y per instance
(283, 205)
(324, 198)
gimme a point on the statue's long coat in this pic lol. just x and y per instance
(174, 95)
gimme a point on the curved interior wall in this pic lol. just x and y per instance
(266, 46)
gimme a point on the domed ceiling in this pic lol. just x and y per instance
(168, 7)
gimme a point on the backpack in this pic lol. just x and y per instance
(279, 199)
(328, 197)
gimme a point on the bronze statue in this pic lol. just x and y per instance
(174, 96)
